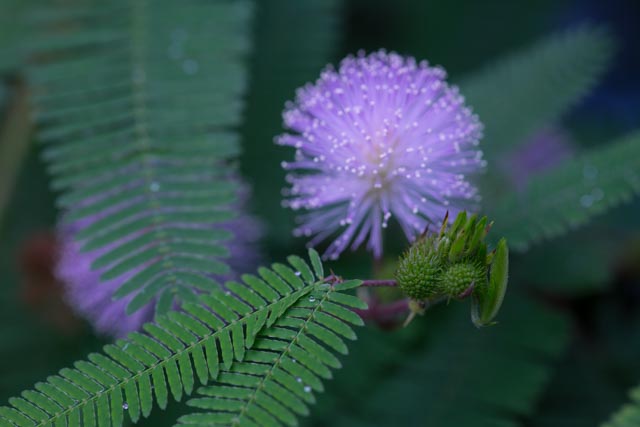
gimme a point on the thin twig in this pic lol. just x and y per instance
(15, 136)
(379, 283)
(387, 315)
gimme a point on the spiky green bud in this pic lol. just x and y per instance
(455, 263)
(459, 280)
(418, 271)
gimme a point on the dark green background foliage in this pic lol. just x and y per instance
(566, 349)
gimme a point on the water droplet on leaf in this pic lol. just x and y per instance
(190, 66)
(586, 201)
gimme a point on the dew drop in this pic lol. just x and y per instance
(312, 299)
(597, 194)
(590, 172)
(586, 200)
(179, 35)
(307, 389)
(125, 406)
(298, 273)
(138, 76)
(190, 66)
(174, 51)
(154, 186)
(299, 379)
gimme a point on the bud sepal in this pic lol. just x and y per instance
(487, 301)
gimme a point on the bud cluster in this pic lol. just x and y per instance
(454, 264)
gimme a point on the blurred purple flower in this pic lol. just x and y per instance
(383, 136)
(543, 150)
(92, 298)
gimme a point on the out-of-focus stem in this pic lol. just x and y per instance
(15, 134)
(388, 314)
(379, 283)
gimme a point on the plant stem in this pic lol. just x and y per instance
(387, 315)
(379, 283)
(15, 136)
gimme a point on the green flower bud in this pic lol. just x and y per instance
(418, 271)
(460, 278)
(455, 263)
(464, 240)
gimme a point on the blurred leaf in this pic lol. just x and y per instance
(521, 93)
(137, 103)
(15, 136)
(629, 414)
(570, 194)
(581, 262)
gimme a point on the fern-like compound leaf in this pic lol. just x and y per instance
(201, 342)
(521, 93)
(628, 415)
(276, 381)
(571, 194)
(136, 103)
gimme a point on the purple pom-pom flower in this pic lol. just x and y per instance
(383, 136)
(92, 298)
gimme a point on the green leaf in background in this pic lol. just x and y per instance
(629, 414)
(577, 264)
(570, 194)
(521, 93)
(136, 103)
